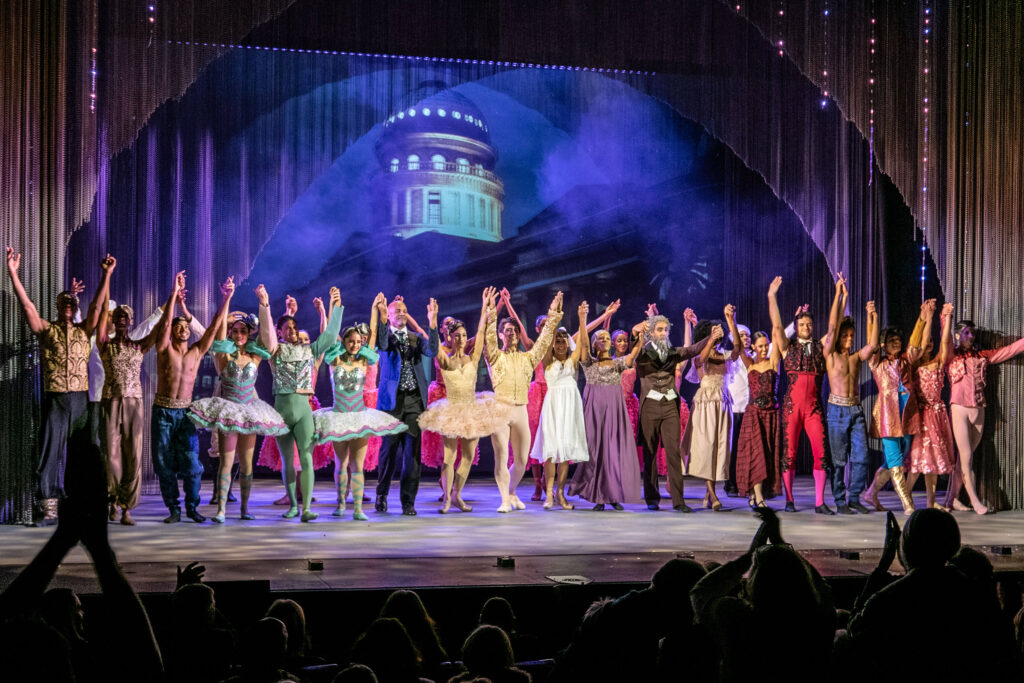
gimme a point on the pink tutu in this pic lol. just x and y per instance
(432, 443)
(370, 401)
(270, 455)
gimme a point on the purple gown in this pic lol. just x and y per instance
(612, 475)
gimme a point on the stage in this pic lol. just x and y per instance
(460, 549)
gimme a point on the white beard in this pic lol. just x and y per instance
(661, 347)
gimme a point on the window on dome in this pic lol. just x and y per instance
(413, 162)
(393, 167)
(463, 165)
(438, 162)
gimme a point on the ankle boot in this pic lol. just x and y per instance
(899, 482)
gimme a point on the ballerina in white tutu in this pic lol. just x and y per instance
(349, 424)
(237, 415)
(562, 436)
(463, 415)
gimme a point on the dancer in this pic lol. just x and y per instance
(804, 361)
(292, 365)
(64, 347)
(967, 406)
(847, 428)
(684, 370)
(931, 454)
(510, 371)
(757, 451)
(403, 394)
(463, 417)
(562, 436)
(739, 390)
(895, 418)
(349, 423)
(122, 422)
(659, 410)
(612, 474)
(173, 440)
(237, 415)
(706, 441)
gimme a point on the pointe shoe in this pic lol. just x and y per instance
(516, 503)
(126, 518)
(505, 507)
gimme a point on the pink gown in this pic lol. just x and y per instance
(932, 449)
(534, 403)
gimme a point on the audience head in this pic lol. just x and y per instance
(975, 566)
(61, 609)
(674, 581)
(407, 607)
(487, 651)
(290, 613)
(266, 645)
(779, 582)
(930, 539)
(388, 650)
(498, 612)
(355, 673)
(193, 604)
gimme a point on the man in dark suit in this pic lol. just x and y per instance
(659, 410)
(402, 392)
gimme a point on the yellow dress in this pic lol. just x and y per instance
(464, 413)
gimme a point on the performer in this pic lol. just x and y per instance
(967, 405)
(757, 453)
(403, 394)
(739, 390)
(895, 418)
(64, 346)
(122, 421)
(847, 428)
(931, 453)
(237, 415)
(612, 475)
(464, 416)
(706, 441)
(173, 441)
(292, 365)
(510, 371)
(804, 361)
(659, 410)
(562, 436)
(349, 423)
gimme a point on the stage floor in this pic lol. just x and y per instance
(460, 549)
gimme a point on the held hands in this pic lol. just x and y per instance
(840, 282)
(318, 304)
(690, 317)
(228, 288)
(291, 306)
(652, 310)
(179, 282)
(335, 297)
(872, 313)
(640, 329)
(556, 303)
(108, 264)
(730, 313)
(489, 293)
(927, 309)
(582, 310)
(801, 309)
(717, 333)
(947, 310)
(380, 302)
(262, 296)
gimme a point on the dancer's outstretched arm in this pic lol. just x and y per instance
(267, 335)
(778, 335)
(946, 342)
(582, 351)
(869, 349)
(486, 302)
(730, 320)
(35, 323)
(206, 341)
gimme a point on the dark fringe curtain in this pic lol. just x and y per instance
(759, 103)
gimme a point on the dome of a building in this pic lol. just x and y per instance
(443, 111)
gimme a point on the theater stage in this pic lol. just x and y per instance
(460, 549)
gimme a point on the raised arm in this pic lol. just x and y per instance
(163, 328)
(869, 349)
(834, 313)
(194, 325)
(206, 341)
(1004, 353)
(383, 341)
(330, 334)
(730, 320)
(922, 330)
(486, 301)
(492, 352)
(267, 334)
(547, 335)
(582, 351)
(778, 336)
(602, 320)
(35, 323)
(318, 304)
(374, 320)
(946, 339)
(97, 307)
(433, 341)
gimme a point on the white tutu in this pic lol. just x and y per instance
(476, 420)
(332, 425)
(255, 417)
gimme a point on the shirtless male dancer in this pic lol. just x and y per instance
(173, 439)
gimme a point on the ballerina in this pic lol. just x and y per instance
(464, 416)
(348, 424)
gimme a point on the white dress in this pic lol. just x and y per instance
(562, 434)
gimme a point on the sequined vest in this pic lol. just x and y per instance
(122, 370)
(65, 356)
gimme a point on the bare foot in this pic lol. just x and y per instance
(958, 506)
(980, 508)
(126, 518)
